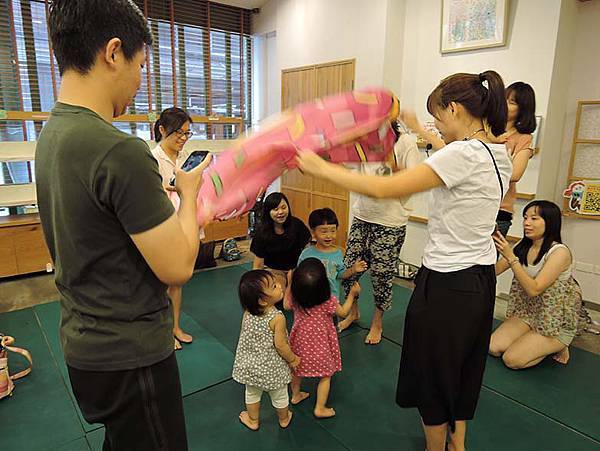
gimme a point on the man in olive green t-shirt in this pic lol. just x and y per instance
(113, 234)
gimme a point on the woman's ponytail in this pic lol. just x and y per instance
(157, 134)
(482, 95)
(494, 101)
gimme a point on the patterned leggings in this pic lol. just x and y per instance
(380, 247)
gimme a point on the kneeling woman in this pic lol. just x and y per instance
(544, 303)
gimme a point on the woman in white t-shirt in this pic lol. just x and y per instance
(449, 318)
(377, 235)
(171, 132)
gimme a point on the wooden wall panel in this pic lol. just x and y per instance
(341, 210)
(347, 77)
(300, 203)
(325, 187)
(329, 80)
(297, 180)
(297, 86)
(306, 193)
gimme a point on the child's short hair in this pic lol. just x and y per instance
(322, 216)
(310, 286)
(252, 289)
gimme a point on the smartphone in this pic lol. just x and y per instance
(193, 160)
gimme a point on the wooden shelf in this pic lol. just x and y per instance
(24, 250)
(150, 117)
(18, 220)
(525, 196)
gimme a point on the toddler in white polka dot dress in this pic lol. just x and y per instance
(263, 357)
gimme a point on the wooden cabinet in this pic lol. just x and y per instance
(8, 258)
(22, 246)
(23, 249)
(232, 228)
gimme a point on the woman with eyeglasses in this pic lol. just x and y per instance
(171, 132)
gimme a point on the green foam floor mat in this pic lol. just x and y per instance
(95, 439)
(363, 395)
(202, 363)
(569, 394)
(393, 319)
(212, 424)
(80, 444)
(547, 388)
(210, 298)
(39, 415)
(549, 407)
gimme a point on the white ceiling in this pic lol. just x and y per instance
(248, 4)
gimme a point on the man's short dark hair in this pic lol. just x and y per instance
(79, 29)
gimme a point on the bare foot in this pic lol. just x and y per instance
(285, 423)
(324, 412)
(247, 421)
(347, 322)
(182, 336)
(374, 336)
(562, 356)
(297, 399)
(177, 345)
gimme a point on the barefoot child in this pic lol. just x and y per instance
(313, 337)
(323, 224)
(263, 353)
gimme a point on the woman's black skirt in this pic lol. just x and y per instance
(446, 339)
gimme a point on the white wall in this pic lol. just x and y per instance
(396, 43)
(528, 56)
(582, 236)
(316, 31)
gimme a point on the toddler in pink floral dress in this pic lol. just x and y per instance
(313, 337)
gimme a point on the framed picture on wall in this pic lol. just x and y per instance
(473, 24)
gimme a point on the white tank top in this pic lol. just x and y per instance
(533, 270)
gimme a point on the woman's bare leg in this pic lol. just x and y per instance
(530, 349)
(175, 293)
(507, 333)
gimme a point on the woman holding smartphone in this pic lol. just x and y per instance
(171, 132)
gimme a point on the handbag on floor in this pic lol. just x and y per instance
(6, 379)
(206, 256)
(230, 251)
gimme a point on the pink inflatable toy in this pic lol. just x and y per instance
(350, 127)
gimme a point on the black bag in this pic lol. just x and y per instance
(255, 216)
(206, 256)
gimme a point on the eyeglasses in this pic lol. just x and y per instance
(181, 134)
